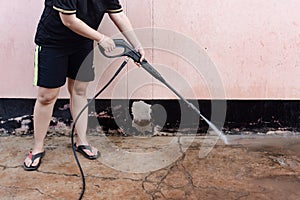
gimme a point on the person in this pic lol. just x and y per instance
(65, 36)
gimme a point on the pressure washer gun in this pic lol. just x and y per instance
(129, 51)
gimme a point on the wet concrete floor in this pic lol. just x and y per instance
(183, 167)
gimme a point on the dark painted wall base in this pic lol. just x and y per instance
(241, 115)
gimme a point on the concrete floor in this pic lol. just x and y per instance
(193, 167)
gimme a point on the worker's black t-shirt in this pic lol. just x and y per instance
(52, 32)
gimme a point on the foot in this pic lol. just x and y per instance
(33, 161)
(87, 151)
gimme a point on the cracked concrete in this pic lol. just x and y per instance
(251, 167)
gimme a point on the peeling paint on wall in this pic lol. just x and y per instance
(264, 117)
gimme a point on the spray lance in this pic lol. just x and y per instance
(127, 50)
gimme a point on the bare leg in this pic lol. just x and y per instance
(42, 115)
(78, 100)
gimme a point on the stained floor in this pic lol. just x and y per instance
(174, 167)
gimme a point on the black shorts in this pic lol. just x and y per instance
(53, 65)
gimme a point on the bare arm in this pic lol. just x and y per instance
(124, 25)
(81, 28)
(119, 19)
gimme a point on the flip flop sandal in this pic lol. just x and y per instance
(33, 158)
(81, 149)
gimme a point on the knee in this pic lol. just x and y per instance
(46, 98)
(77, 90)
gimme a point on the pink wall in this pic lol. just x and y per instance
(253, 46)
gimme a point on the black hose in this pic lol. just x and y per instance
(78, 116)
